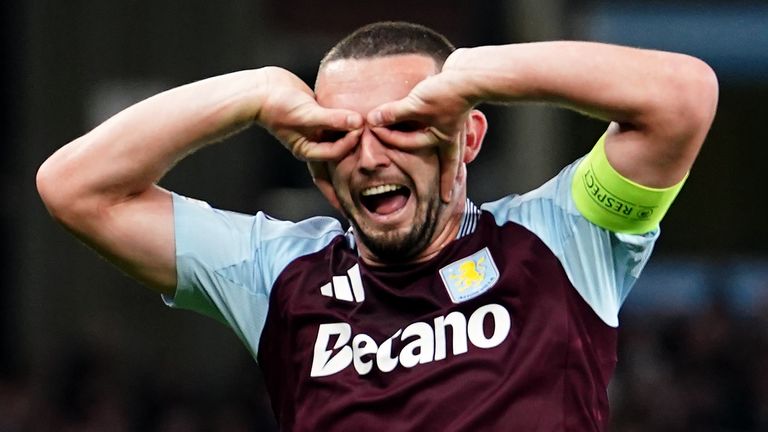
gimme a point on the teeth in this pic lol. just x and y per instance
(380, 189)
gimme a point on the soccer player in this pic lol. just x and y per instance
(430, 313)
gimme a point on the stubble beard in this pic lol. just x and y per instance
(393, 246)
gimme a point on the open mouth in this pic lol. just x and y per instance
(385, 199)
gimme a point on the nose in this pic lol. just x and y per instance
(372, 153)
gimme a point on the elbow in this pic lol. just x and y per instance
(48, 184)
(57, 191)
(706, 91)
(697, 96)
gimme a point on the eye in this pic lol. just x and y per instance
(407, 126)
(330, 135)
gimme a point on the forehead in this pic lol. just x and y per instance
(362, 84)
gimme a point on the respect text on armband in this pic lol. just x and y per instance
(612, 203)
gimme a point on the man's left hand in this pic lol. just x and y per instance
(439, 105)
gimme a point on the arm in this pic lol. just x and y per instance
(660, 104)
(102, 186)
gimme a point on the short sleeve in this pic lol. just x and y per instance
(602, 265)
(227, 262)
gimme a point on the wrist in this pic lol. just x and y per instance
(461, 77)
(466, 77)
(250, 93)
(499, 73)
(223, 101)
(276, 91)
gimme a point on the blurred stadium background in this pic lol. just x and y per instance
(84, 348)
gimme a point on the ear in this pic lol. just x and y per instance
(322, 179)
(475, 128)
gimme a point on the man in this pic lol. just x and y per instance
(430, 313)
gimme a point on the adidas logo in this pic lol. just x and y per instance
(347, 288)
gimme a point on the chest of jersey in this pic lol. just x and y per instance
(488, 332)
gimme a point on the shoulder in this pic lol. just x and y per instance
(217, 239)
(542, 209)
(602, 265)
(198, 215)
(310, 229)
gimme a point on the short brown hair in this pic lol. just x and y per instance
(388, 38)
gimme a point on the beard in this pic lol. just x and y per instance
(395, 246)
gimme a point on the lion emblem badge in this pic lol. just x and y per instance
(471, 276)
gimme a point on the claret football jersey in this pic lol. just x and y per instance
(512, 326)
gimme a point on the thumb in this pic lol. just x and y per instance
(394, 112)
(322, 180)
(316, 116)
(449, 168)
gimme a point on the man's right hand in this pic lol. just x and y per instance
(310, 132)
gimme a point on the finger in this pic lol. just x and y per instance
(315, 116)
(449, 169)
(411, 140)
(319, 172)
(330, 151)
(394, 112)
(322, 179)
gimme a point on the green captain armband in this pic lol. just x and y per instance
(612, 201)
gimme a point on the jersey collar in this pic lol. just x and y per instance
(468, 224)
(469, 219)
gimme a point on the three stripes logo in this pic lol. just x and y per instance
(346, 288)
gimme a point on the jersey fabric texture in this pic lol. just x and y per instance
(510, 327)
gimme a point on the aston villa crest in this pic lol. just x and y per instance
(471, 276)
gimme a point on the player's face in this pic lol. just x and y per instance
(390, 196)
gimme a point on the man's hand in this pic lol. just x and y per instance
(437, 107)
(310, 132)
(103, 185)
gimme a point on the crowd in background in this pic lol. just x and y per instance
(705, 372)
(88, 395)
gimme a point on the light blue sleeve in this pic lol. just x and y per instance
(602, 265)
(226, 263)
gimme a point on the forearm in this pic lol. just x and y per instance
(663, 103)
(131, 151)
(102, 186)
(614, 83)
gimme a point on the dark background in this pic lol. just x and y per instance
(85, 348)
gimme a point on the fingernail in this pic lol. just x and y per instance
(377, 118)
(353, 122)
